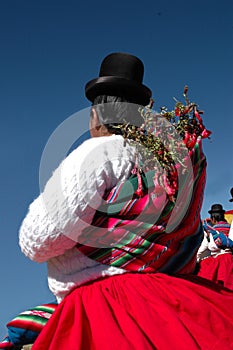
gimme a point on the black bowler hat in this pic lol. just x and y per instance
(231, 192)
(121, 75)
(216, 208)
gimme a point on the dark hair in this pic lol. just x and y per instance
(115, 110)
(218, 216)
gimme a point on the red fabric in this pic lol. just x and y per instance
(219, 269)
(142, 312)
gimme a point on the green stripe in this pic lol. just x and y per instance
(48, 309)
(36, 319)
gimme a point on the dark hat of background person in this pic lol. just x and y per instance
(216, 208)
(121, 74)
(231, 192)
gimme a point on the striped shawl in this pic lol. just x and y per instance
(150, 233)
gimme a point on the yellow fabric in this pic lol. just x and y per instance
(229, 216)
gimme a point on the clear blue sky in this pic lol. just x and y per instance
(50, 49)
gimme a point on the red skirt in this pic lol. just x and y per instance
(219, 269)
(142, 312)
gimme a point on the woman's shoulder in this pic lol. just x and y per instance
(105, 148)
(93, 142)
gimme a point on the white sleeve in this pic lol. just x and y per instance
(203, 249)
(70, 199)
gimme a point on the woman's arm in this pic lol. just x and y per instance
(72, 195)
(66, 206)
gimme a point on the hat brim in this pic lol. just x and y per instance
(216, 211)
(117, 86)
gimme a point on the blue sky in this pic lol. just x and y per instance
(50, 49)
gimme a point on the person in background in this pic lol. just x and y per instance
(214, 256)
(231, 228)
(231, 192)
(123, 276)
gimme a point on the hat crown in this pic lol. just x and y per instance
(122, 65)
(121, 74)
(231, 192)
(216, 208)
